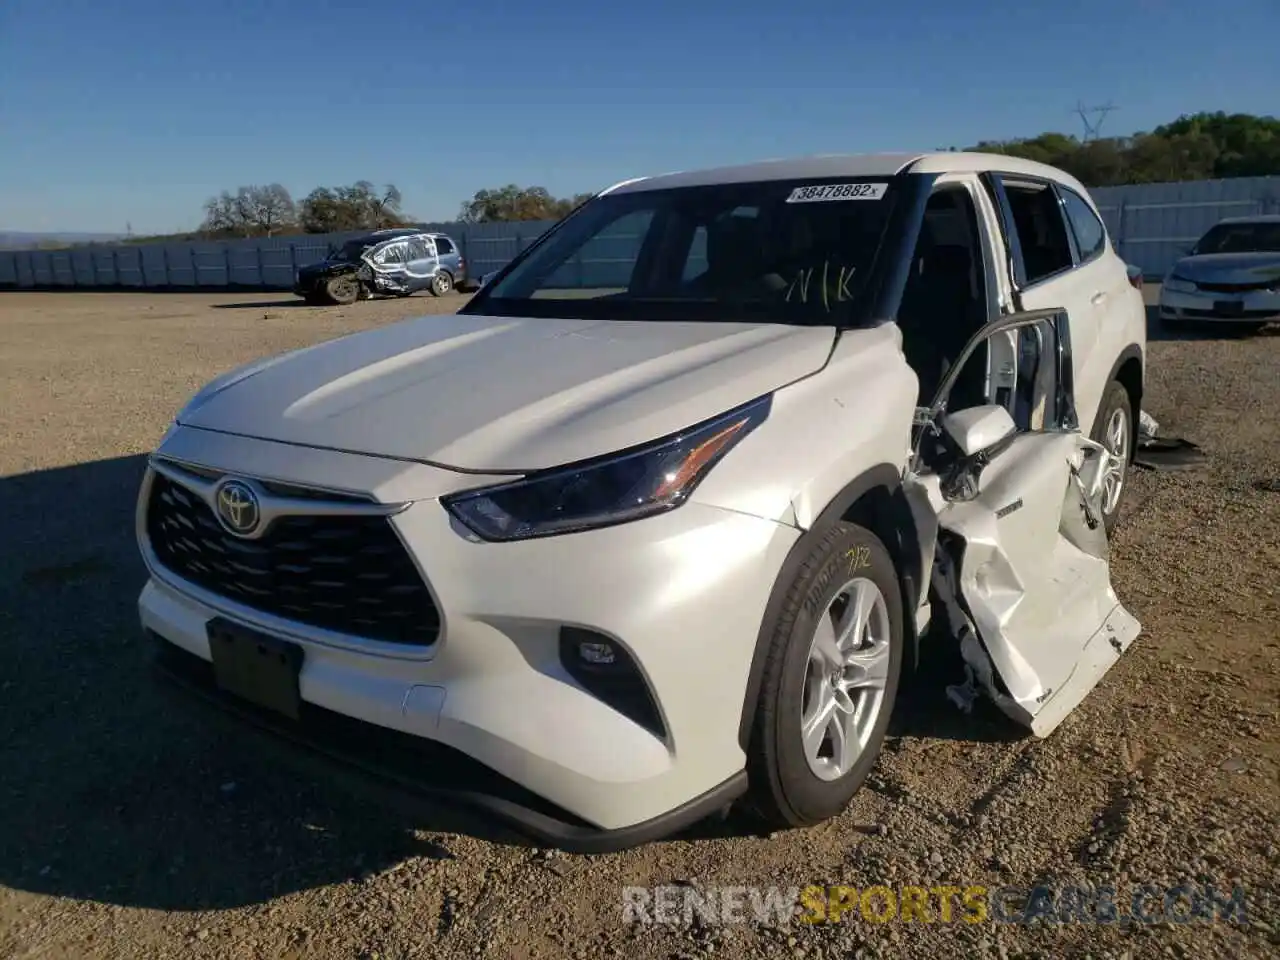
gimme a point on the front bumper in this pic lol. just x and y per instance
(684, 593)
(305, 284)
(1255, 306)
(413, 770)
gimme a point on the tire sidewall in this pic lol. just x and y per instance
(339, 283)
(854, 552)
(442, 277)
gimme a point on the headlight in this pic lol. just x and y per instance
(607, 490)
(1178, 285)
(169, 432)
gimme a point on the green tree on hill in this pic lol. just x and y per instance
(1200, 146)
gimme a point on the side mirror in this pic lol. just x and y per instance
(977, 428)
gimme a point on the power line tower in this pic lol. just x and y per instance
(1098, 114)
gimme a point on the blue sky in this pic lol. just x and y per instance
(138, 110)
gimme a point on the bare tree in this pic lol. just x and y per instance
(267, 208)
(220, 215)
(250, 211)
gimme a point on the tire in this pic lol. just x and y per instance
(785, 788)
(1114, 428)
(441, 284)
(342, 289)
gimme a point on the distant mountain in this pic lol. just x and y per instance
(16, 239)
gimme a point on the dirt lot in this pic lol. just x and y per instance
(130, 828)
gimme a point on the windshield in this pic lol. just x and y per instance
(350, 251)
(1241, 238)
(769, 252)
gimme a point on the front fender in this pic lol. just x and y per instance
(834, 448)
(877, 500)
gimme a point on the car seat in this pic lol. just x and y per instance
(939, 314)
(734, 257)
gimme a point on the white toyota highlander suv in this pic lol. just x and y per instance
(657, 522)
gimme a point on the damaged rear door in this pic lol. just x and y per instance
(422, 263)
(1021, 566)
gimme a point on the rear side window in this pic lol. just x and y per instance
(1042, 233)
(1091, 235)
(443, 246)
(394, 253)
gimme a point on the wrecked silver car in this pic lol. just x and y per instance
(391, 263)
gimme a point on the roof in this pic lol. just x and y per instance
(799, 168)
(392, 233)
(849, 165)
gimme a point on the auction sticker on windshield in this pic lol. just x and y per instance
(838, 191)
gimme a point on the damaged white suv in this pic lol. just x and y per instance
(656, 522)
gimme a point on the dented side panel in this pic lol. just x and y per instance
(1025, 581)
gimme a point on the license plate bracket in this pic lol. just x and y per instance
(256, 667)
(1229, 308)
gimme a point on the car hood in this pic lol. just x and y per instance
(1229, 267)
(499, 394)
(326, 266)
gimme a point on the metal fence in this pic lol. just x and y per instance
(267, 263)
(1151, 224)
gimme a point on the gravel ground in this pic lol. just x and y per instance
(130, 827)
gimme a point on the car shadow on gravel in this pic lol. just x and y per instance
(259, 304)
(110, 792)
(922, 712)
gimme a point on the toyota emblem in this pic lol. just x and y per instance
(238, 508)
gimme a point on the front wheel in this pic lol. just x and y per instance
(1113, 428)
(342, 289)
(830, 680)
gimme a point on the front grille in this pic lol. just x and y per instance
(350, 574)
(1236, 287)
(1195, 314)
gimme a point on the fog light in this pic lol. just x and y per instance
(605, 669)
(596, 653)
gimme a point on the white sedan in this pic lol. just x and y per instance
(1231, 275)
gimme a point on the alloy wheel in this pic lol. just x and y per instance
(845, 677)
(1116, 440)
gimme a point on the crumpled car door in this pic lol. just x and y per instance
(1022, 564)
(388, 264)
(422, 263)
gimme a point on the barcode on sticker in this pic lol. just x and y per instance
(838, 191)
